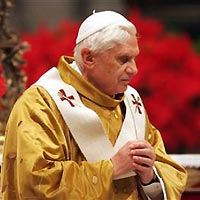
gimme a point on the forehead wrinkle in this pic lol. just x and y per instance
(130, 52)
(130, 49)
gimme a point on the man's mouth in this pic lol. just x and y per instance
(126, 80)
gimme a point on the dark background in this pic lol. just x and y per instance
(177, 15)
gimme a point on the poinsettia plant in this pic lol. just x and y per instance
(168, 78)
(169, 82)
(46, 46)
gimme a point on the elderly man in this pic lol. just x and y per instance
(81, 133)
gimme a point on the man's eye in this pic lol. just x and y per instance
(123, 60)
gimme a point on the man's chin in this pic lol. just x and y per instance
(123, 89)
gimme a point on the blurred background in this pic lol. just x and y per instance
(169, 62)
(177, 15)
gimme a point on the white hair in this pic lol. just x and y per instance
(104, 39)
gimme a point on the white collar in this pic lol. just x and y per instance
(75, 67)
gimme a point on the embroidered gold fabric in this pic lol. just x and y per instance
(42, 161)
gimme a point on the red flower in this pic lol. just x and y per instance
(46, 46)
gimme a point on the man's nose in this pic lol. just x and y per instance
(132, 68)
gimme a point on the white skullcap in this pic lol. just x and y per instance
(98, 21)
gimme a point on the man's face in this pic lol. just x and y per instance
(113, 69)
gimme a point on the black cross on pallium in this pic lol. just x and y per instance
(63, 97)
(137, 102)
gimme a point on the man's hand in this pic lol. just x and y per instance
(138, 156)
(143, 156)
(123, 160)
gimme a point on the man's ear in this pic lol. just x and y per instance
(87, 58)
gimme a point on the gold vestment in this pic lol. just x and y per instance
(41, 160)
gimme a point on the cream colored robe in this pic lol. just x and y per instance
(41, 160)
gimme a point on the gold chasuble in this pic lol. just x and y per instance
(42, 160)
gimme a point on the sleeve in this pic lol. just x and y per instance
(172, 176)
(155, 190)
(47, 163)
